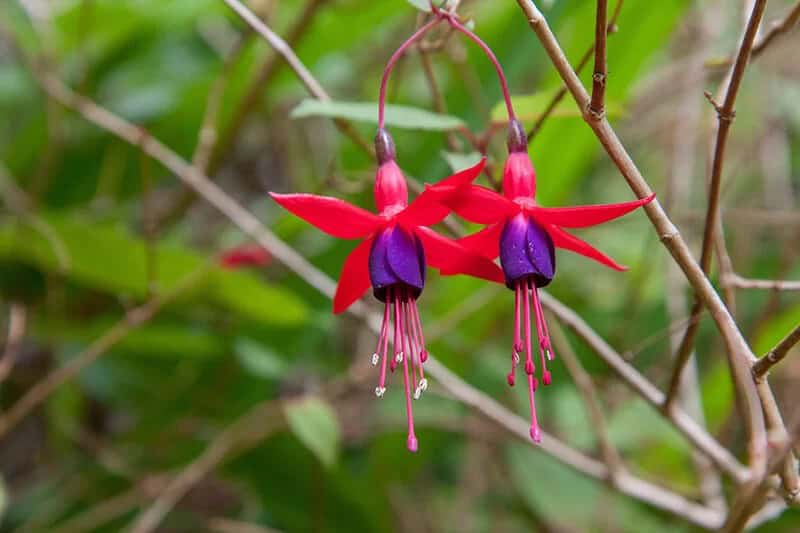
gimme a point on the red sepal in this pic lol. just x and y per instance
(478, 204)
(585, 215)
(452, 258)
(333, 216)
(354, 280)
(564, 240)
(463, 177)
(486, 241)
(425, 210)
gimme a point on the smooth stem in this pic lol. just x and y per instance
(390, 65)
(451, 19)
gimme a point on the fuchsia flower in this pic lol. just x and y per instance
(396, 248)
(245, 256)
(525, 236)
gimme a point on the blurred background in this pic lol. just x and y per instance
(111, 268)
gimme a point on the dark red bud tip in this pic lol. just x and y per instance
(547, 379)
(536, 435)
(423, 355)
(529, 368)
(517, 140)
(510, 379)
(384, 147)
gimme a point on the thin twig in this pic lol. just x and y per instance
(777, 28)
(738, 351)
(597, 104)
(583, 381)
(244, 433)
(562, 91)
(755, 494)
(777, 354)
(739, 282)
(684, 423)
(305, 76)
(17, 320)
(255, 91)
(133, 319)
(725, 114)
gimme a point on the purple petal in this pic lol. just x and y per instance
(396, 258)
(526, 250)
(403, 255)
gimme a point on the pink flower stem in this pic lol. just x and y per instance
(453, 21)
(392, 60)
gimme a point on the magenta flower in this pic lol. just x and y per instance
(525, 236)
(396, 248)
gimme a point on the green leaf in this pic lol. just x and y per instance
(457, 161)
(106, 257)
(258, 359)
(422, 5)
(399, 116)
(775, 330)
(314, 423)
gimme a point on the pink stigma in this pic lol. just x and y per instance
(526, 297)
(401, 317)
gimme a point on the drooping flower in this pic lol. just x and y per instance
(396, 248)
(524, 235)
(248, 255)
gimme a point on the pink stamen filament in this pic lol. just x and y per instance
(547, 345)
(409, 340)
(423, 354)
(517, 347)
(530, 368)
(392, 60)
(385, 349)
(416, 333)
(544, 342)
(453, 21)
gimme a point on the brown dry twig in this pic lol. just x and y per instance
(737, 349)
(777, 354)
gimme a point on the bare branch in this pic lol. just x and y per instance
(42, 390)
(725, 114)
(562, 92)
(583, 381)
(776, 355)
(699, 438)
(17, 321)
(764, 284)
(597, 104)
(244, 433)
(308, 79)
(738, 351)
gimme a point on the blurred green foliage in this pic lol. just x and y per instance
(236, 338)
